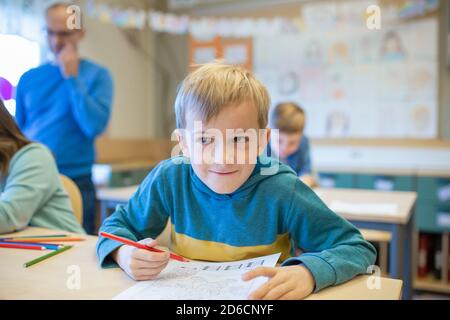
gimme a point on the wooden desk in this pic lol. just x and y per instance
(48, 279)
(404, 200)
(361, 288)
(400, 225)
(109, 198)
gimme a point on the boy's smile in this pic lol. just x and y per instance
(223, 151)
(223, 173)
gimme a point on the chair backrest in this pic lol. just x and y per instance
(75, 197)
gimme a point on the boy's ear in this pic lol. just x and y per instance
(264, 138)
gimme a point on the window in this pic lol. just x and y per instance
(17, 55)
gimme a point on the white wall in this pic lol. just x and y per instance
(134, 106)
(146, 73)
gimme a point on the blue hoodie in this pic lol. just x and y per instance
(267, 214)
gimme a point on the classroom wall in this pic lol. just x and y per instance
(290, 8)
(145, 95)
(146, 68)
(134, 85)
(171, 52)
(143, 106)
(355, 154)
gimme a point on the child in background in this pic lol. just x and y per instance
(292, 147)
(225, 209)
(31, 191)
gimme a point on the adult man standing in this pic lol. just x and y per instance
(66, 104)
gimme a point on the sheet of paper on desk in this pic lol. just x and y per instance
(201, 281)
(364, 208)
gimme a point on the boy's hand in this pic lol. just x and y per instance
(285, 283)
(141, 264)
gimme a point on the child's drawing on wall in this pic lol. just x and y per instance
(338, 53)
(392, 47)
(338, 124)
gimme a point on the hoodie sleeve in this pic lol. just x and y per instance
(334, 250)
(144, 216)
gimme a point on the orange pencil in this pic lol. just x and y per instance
(66, 239)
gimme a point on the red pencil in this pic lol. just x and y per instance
(21, 246)
(140, 245)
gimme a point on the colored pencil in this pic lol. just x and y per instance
(37, 236)
(140, 245)
(64, 239)
(46, 256)
(50, 246)
(21, 246)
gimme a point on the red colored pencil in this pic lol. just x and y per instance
(21, 246)
(140, 245)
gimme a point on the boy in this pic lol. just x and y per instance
(222, 208)
(292, 146)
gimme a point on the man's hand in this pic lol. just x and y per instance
(285, 283)
(68, 61)
(141, 264)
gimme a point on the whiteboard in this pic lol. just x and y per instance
(357, 82)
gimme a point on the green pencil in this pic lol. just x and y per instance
(46, 256)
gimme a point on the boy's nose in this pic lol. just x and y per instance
(223, 154)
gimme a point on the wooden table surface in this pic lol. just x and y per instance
(404, 200)
(116, 194)
(53, 278)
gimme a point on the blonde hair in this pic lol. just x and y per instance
(216, 85)
(288, 118)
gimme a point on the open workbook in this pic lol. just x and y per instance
(201, 280)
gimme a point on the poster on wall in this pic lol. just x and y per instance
(354, 82)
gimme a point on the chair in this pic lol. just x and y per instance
(383, 238)
(75, 197)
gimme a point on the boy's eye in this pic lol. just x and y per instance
(240, 139)
(206, 140)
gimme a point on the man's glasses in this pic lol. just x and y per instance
(60, 34)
